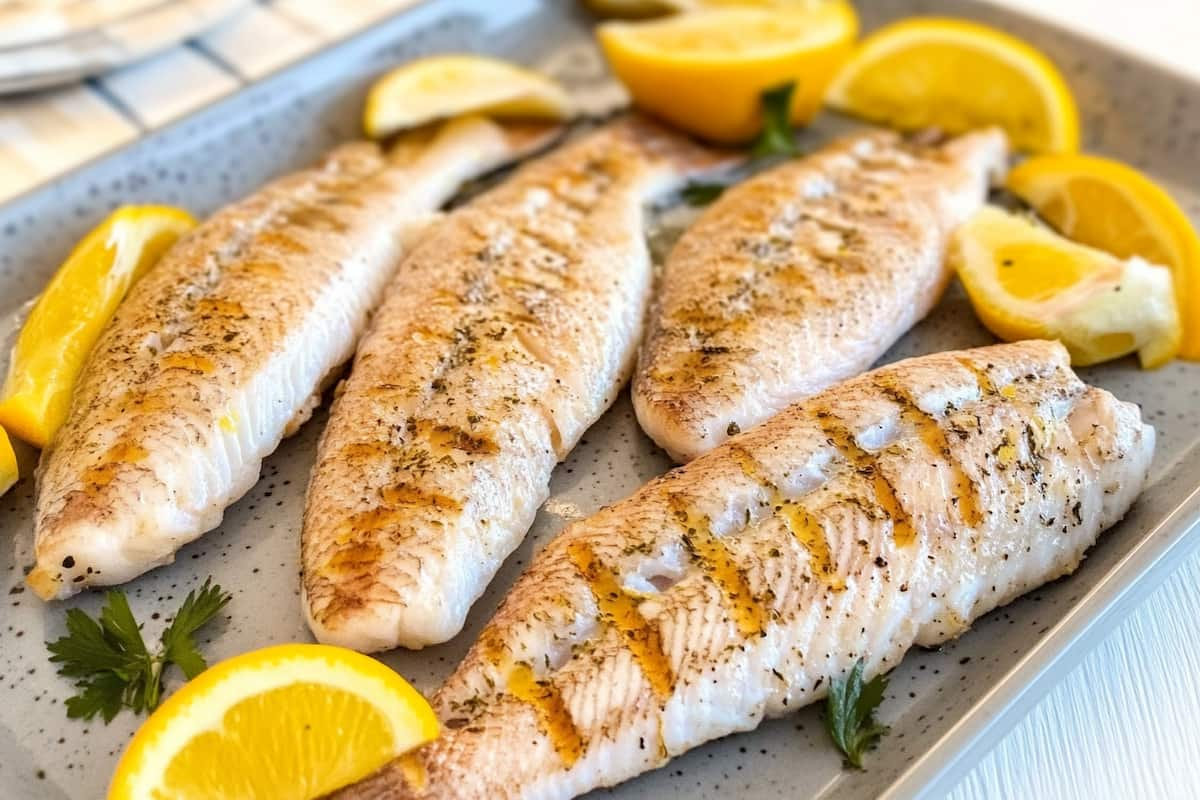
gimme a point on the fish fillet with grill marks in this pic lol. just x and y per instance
(891, 510)
(222, 348)
(800, 277)
(503, 337)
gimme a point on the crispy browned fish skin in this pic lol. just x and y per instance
(738, 586)
(505, 334)
(800, 277)
(222, 349)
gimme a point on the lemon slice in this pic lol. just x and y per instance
(706, 71)
(8, 464)
(290, 722)
(1027, 282)
(1108, 205)
(78, 302)
(956, 75)
(447, 86)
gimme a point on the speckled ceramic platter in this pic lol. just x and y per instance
(946, 707)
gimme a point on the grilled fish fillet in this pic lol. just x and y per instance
(504, 335)
(223, 347)
(888, 511)
(801, 277)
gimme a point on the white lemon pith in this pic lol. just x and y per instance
(1025, 281)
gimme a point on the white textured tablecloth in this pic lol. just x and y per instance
(1125, 723)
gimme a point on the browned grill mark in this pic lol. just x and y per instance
(353, 557)
(405, 494)
(929, 430)
(267, 269)
(355, 451)
(97, 477)
(216, 305)
(554, 719)
(372, 519)
(703, 364)
(443, 438)
(140, 402)
(619, 609)
(986, 385)
(866, 465)
(281, 241)
(192, 362)
(491, 645)
(314, 217)
(810, 533)
(708, 552)
(804, 527)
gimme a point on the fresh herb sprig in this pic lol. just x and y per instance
(850, 713)
(109, 660)
(701, 194)
(775, 141)
(777, 137)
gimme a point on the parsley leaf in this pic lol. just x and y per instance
(110, 663)
(850, 713)
(701, 194)
(197, 609)
(776, 138)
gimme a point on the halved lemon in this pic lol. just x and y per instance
(290, 722)
(69, 316)
(1109, 205)
(1027, 282)
(706, 71)
(446, 86)
(956, 75)
(8, 464)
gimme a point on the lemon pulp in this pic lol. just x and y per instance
(76, 305)
(958, 76)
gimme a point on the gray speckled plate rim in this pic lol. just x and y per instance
(1111, 595)
(1117, 594)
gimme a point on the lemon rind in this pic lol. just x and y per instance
(203, 702)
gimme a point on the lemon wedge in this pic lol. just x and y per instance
(1027, 282)
(291, 722)
(78, 302)
(956, 75)
(1114, 207)
(447, 86)
(8, 464)
(706, 71)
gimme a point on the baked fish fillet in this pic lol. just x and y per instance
(801, 277)
(223, 347)
(891, 510)
(504, 335)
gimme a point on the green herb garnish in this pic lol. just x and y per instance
(850, 713)
(110, 663)
(776, 138)
(701, 194)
